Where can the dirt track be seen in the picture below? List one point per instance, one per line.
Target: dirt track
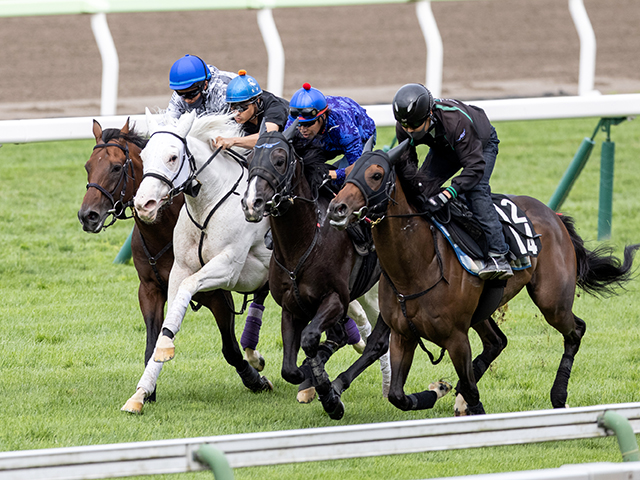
(493, 49)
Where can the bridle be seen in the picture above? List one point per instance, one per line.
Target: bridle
(119, 207)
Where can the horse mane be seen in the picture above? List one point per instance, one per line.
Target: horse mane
(313, 160)
(133, 136)
(413, 180)
(208, 127)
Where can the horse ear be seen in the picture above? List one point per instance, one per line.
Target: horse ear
(97, 130)
(152, 125)
(185, 122)
(263, 127)
(288, 133)
(124, 130)
(368, 147)
(394, 153)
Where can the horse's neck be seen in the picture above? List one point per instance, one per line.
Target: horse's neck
(294, 231)
(405, 244)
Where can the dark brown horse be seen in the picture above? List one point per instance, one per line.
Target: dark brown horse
(114, 173)
(426, 293)
(309, 274)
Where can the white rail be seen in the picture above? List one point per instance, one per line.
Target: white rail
(80, 128)
(315, 444)
(270, 35)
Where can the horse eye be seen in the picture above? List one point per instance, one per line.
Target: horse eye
(173, 159)
(377, 176)
(116, 168)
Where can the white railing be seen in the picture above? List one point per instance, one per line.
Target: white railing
(80, 128)
(270, 35)
(315, 444)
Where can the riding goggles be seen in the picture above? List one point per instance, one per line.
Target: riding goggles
(306, 115)
(241, 107)
(191, 94)
(413, 124)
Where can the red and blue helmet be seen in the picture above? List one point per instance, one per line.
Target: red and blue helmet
(307, 104)
(242, 88)
(188, 71)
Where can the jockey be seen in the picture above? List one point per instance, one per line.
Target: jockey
(197, 86)
(252, 105)
(460, 137)
(338, 125)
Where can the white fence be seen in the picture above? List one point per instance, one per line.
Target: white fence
(319, 444)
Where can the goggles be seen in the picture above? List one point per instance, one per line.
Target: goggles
(191, 94)
(304, 114)
(241, 107)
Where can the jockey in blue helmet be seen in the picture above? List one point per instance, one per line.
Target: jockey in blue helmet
(197, 86)
(338, 125)
(251, 105)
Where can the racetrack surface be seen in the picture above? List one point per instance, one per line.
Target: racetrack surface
(492, 49)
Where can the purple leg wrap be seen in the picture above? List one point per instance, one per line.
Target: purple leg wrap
(353, 335)
(251, 332)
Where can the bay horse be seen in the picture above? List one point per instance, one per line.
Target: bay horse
(310, 270)
(114, 172)
(216, 251)
(426, 293)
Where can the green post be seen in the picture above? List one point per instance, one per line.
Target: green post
(606, 190)
(216, 460)
(124, 255)
(624, 433)
(572, 173)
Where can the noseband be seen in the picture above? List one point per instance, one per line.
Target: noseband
(119, 207)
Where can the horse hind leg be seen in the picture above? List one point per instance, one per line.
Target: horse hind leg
(251, 333)
(571, 347)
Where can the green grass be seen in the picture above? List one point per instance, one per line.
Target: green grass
(72, 337)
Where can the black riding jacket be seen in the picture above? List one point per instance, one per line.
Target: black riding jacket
(457, 138)
(273, 109)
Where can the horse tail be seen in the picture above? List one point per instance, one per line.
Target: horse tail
(599, 271)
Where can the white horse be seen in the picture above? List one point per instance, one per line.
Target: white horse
(214, 247)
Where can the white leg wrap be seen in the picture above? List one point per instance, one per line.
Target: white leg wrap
(150, 375)
(365, 331)
(385, 368)
(176, 313)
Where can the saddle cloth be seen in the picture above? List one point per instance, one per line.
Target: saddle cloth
(465, 235)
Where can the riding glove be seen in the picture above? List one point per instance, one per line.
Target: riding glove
(436, 202)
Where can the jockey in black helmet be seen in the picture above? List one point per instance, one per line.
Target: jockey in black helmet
(460, 137)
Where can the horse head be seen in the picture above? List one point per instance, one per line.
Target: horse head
(167, 165)
(367, 189)
(112, 171)
(271, 170)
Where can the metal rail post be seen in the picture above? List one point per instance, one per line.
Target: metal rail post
(624, 433)
(216, 460)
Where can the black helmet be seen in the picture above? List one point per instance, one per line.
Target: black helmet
(412, 105)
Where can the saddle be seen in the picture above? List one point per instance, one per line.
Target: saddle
(464, 233)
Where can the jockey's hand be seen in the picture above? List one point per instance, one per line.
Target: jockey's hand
(225, 143)
(436, 202)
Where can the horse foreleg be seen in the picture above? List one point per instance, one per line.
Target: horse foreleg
(220, 302)
(251, 333)
(165, 348)
(357, 313)
(571, 347)
(468, 400)
(377, 347)
(291, 332)
(146, 386)
(152, 300)
(401, 351)
(494, 341)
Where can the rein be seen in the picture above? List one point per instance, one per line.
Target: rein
(119, 207)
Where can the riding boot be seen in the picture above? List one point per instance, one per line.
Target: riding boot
(496, 266)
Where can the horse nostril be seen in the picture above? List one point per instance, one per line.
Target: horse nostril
(258, 204)
(150, 205)
(341, 209)
(92, 216)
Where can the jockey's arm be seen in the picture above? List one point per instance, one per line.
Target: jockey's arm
(247, 142)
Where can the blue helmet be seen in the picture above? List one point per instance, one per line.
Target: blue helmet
(307, 104)
(187, 71)
(242, 88)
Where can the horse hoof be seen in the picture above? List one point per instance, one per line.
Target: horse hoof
(265, 385)
(255, 359)
(165, 350)
(461, 409)
(135, 403)
(307, 395)
(338, 413)
(441, 388)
